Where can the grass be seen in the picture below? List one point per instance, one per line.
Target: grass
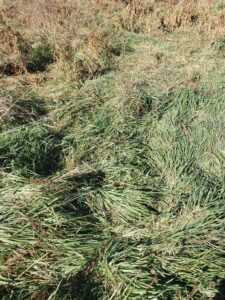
(112, 150)
(20, 106)
(30, 150)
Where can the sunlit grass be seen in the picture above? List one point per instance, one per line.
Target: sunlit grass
(112, 156)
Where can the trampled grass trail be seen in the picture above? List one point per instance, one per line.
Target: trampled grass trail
(112, 179)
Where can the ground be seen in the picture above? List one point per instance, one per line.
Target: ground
(112, 150)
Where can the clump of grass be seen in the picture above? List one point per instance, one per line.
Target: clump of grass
(10, 67)
(19, 54)
(30, 151)
(10, 59)
(87, 66)
(220, 44)
(37, 56)
(21, 105)
(134, 16)
(20, 111)
(141, 102)
(103, 46)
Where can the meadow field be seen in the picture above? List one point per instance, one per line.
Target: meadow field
(112, 149)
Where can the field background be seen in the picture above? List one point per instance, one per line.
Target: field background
(112, 149)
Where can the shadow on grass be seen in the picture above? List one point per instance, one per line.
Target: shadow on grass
(72, 191)
(93, 179)
(82, 286)
(221, 293)
(31, 151)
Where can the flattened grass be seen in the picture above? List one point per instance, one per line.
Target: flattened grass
(114, 190)
(137, 211)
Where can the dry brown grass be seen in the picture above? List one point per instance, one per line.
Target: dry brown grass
(82, 33)
(153, 15)
(33, 21)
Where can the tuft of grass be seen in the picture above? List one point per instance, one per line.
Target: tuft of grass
(33, 150)
(220, 44)
(103, 47)
(20, 111)
(10, 60)
(37, 56)
(141, 102)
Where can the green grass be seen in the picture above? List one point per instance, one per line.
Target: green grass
(141, 214)
(115, 189)
(27, 151)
